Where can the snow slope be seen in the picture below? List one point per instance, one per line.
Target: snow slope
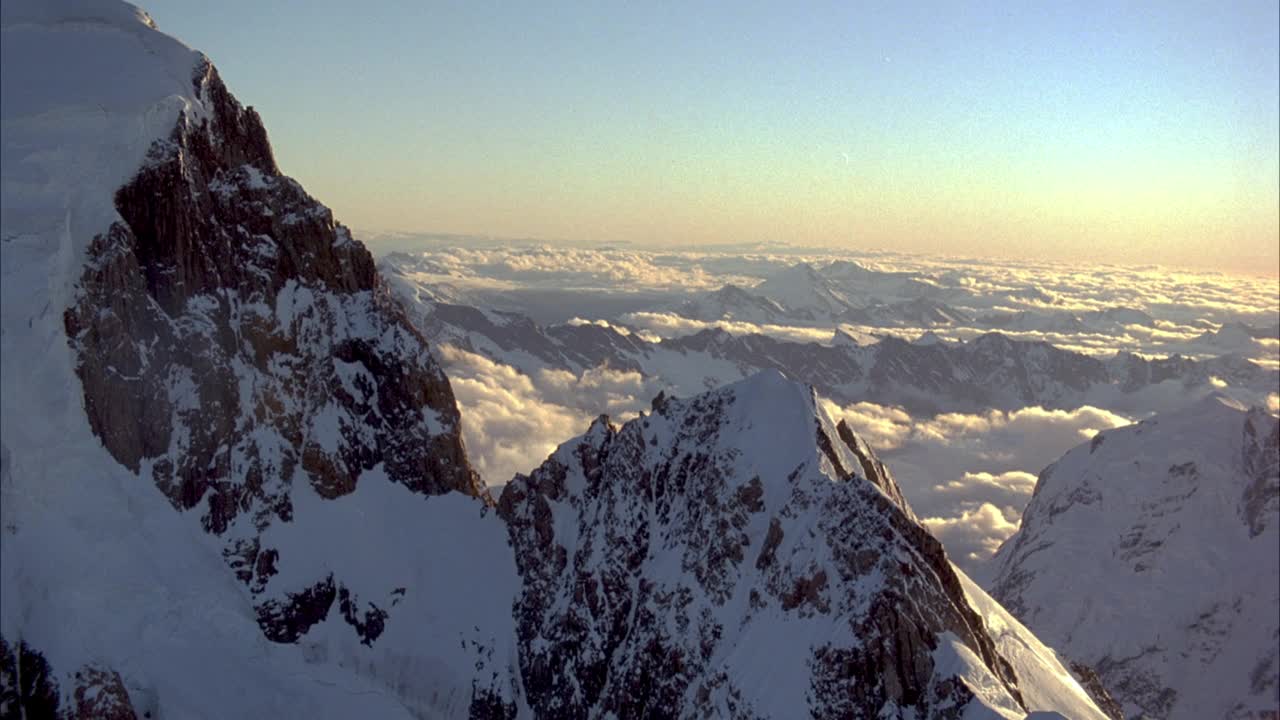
(1150, 553)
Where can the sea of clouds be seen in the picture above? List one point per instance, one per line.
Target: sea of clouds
(967, 476)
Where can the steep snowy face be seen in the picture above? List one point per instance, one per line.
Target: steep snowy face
(1179, 513)
(185, 327)
(736, 554)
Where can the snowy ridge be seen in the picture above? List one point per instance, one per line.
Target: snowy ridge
(1180, 512)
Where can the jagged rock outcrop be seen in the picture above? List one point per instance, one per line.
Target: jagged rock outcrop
(1178, 512)
(729, 555)
(29, 689)
(233, 341)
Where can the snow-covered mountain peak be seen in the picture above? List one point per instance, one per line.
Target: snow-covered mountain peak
(774, 425)
(1215, 407)
(765, 426)
(846, 269)
(842, 338)
(735, 554)
(109, 86)
(803, 291)
(1178, 512)
(1231, 336)
(1210, 402)
(119, 15)
(928, 338)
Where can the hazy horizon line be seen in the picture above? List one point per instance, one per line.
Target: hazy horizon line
(776, 247)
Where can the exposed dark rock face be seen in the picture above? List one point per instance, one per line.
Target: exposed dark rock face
(1092, 684)
(1260, 461)
(872, 468)
(647, 559)
(100, 695)
(234, 340)
(28, 689)
(289, 619)
(27, 684)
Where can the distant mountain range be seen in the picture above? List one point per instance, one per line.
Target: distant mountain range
(926, 377)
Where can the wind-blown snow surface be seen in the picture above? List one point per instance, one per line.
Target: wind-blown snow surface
(119, 593)
(1150, 553)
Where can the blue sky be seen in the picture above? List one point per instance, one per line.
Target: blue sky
(1117, 132)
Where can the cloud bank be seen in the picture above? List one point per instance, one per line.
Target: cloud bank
(512, 421)
(969, 476)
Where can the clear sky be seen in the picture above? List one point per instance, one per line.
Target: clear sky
(1121, 132)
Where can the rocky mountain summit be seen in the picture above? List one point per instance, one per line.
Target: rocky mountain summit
(233, 341)
(1180, 512)
(737, 554)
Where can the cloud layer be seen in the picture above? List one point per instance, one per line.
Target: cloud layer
(1154, 311)
(967, 475)
(970, 476)
(511, 421)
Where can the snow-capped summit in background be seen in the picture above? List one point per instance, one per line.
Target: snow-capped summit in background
(928, 338)
(1232, 337)
(839, 291)
(738, 554)
(1149, 553)
(805, 293)
(733, 303)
